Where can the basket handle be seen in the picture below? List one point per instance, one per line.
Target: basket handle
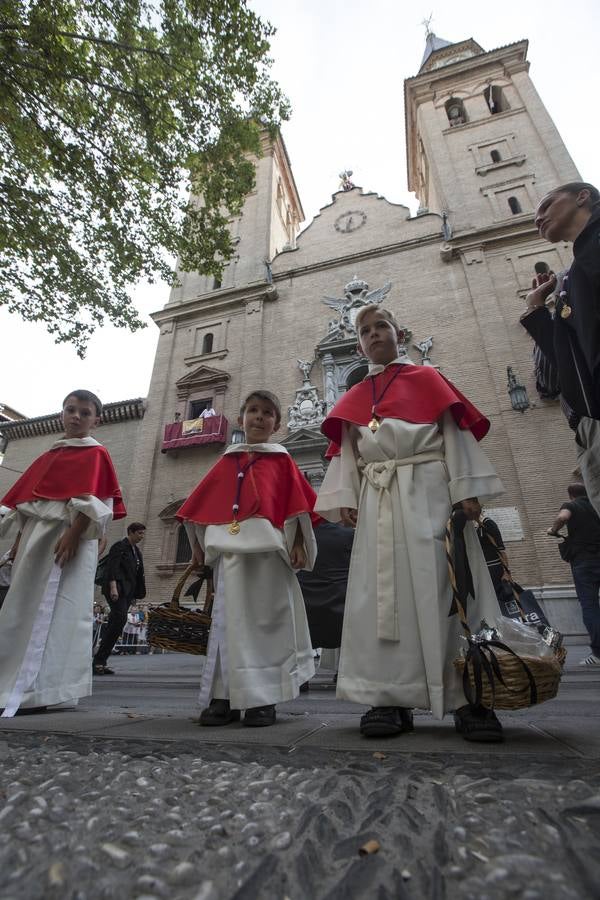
(179, 586)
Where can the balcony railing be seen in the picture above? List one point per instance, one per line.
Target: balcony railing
(193, 433)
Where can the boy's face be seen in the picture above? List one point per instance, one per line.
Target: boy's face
(377, 338)
(259, 420)
(79, 417)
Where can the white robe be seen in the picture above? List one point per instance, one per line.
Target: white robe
(398, 642)
(46, 618)
(259, 650)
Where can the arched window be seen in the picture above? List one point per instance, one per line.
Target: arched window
(495, 99)
(455, 111)
(207, 342)
(515, 206)
(495, 154)
(183, 553)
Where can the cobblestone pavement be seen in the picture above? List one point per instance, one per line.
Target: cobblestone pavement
(93, 818)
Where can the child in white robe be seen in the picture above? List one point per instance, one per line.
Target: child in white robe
(60, 506)
(249, 518)
(406, 454)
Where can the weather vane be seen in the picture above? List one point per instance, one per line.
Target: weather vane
(426, 24)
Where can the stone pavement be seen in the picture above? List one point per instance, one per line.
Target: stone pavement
(125, 796)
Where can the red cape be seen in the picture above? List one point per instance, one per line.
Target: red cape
(273, 488)
(420, 394)
(67, 472)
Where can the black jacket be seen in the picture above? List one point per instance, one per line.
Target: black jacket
(122, 568)
(572, 344)
(324, 589)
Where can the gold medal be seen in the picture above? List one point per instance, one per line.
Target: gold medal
(234, 528)
(565, 311)
(374, 424)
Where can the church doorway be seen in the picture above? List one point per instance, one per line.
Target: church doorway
(356, 375)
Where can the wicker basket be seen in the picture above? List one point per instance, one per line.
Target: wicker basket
(495, 676)
(515, 693)
(172, 628)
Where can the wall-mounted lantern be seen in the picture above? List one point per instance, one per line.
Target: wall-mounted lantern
(517, 392)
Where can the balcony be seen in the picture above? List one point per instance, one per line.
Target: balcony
(194, 433)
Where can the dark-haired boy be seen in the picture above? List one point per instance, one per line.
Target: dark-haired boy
(570, 338)
(61, 506)
(249, 518)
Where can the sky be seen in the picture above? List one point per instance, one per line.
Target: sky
(342, 63)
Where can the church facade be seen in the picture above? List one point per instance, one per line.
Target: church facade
(481, 151)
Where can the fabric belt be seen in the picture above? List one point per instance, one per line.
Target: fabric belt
(380, 476)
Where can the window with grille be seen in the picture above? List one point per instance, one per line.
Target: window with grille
(184, 549)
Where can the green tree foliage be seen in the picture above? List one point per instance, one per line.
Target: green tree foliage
(111, 112)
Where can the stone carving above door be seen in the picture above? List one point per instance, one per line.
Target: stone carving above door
(356, 295)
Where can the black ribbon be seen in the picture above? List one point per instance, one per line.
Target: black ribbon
(460, 562)
(480, 662)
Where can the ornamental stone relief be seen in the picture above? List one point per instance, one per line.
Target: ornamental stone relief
(341, 365)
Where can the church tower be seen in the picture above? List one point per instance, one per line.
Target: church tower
(211, 348)
(481, 146)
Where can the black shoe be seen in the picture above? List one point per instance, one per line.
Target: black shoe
(259, 716)
(219, 712)
(385, 720)
(478, 724)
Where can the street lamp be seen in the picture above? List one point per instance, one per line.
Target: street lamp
(517, 392)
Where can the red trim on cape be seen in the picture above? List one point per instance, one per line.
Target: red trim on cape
(420, 394)
(273, 488)
(66, 472)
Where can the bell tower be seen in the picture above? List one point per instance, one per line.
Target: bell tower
(481, 146)
(268, 223)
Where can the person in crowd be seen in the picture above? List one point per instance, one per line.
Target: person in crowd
(570, 338)
(124, 583)
(250, 519)
(61, 506)
(492, 545)
(324, 588)
(6, 564)
(404, 448)
(582, 552)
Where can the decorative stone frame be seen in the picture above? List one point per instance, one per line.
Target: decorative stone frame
(201, 384)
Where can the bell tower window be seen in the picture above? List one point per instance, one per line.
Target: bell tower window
(455, 111)
(515, 206)
(495, 99)
(207, 342)
(495, 155)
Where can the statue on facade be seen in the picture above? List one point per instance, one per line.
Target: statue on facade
(305, 368)
(424, 347)
(345, 183)
(307, 411)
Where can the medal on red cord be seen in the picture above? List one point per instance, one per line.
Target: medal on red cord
(235, 526)
(375, 420)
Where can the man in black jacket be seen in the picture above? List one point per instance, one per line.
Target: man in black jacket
(123, 583)
(570, 339)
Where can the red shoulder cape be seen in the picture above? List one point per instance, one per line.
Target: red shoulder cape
(66, 472)
(420, 394)
(273, 488)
